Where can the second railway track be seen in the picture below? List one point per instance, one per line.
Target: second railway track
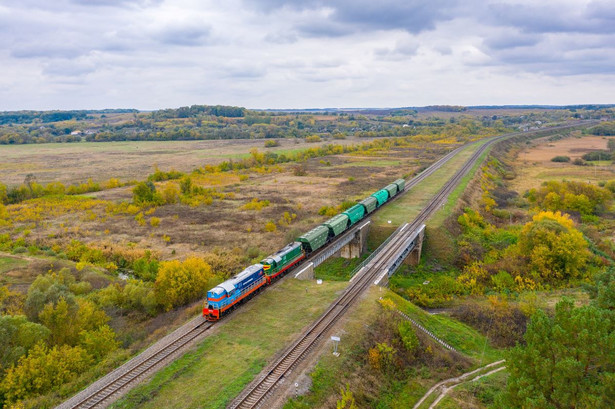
(256, 394)
(110, 387)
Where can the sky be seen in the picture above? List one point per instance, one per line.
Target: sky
(152, 54)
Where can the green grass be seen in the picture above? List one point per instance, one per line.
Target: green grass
(407, 207)
(338, 268)
(462, 337)
(224, 363)
(10, 263)
(331, 371)
(438, 218)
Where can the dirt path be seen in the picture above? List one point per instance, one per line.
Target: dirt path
(444, 386)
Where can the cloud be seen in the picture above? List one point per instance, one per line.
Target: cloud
(281, 53)
(191, 35)
(355, 16)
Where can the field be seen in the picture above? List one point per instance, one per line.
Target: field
(134, 266)
(76, 162)
(535, 166)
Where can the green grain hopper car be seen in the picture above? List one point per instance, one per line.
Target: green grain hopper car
(401, 184)
(381, 196)
(314, 239)
(370, 204)
(392, 189)
(337, 224)
(355, 213)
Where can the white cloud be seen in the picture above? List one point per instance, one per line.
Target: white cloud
(280, 54)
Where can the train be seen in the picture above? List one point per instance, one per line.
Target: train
(227, 295)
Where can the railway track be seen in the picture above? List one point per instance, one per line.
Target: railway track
(256, 394)
(112, 386)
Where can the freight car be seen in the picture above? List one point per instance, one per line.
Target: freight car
(225, 296)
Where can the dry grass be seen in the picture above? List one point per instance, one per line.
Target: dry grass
(534, 164)
(185, 229)
(76, 162)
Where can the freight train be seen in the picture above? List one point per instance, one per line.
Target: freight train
(227, 295)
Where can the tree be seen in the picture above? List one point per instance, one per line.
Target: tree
(49, 289)
(98, 343)
(568, 361)
(144, 193)
(17, 336)
(603, 292)
(3, 194)
(180, 282)
(556, 250)
(42, 370)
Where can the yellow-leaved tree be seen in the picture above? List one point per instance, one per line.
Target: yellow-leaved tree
(555, 248)
(179, 282)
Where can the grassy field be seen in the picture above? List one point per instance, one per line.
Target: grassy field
(534, 164)
(76, 162)
(10, 263)
(410, 204)
(458, 335)
(220, 367)
(337, 268)
(331, 370)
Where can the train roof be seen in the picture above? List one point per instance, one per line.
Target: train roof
(277, 256)
(246, 273)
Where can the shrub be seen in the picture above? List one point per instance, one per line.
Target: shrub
(145, 193)
(313, 139)
(154, 221)
(270, 227)
(255, 204)
(271, 143)
(561, 159)
(579, 162)
(597, 155)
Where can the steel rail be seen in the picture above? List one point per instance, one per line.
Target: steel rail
(257, 392)
(107, 388)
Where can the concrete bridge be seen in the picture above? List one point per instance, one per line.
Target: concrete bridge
(354, 244)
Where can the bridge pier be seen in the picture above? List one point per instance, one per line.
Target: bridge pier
(357, 245)
(414, 257)
(306, 272)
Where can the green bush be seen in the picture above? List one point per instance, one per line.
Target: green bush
(561, 159)
(19, 250)
(597, 155)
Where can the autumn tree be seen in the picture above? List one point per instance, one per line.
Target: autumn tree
(67, 322)
(179, 282)
(42, 370)
(556, 250)
(568, 361)
(49, 289)
(17, 336)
